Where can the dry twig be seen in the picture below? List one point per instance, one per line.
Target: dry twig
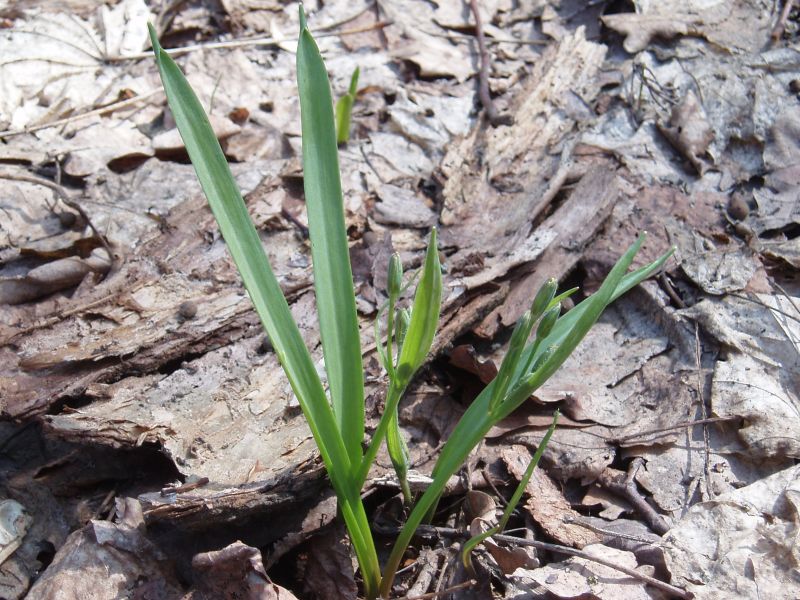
(444, 592)
(777, 31)
(483, 74)
(627, 489)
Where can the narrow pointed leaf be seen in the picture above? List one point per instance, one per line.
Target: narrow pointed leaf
(477, 420)
(424, 315)
(344, 109)
(245, 247)
(333, 278)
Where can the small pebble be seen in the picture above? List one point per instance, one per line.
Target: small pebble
(794, 86)
(187, 310)
(738, 208)
(67, 219)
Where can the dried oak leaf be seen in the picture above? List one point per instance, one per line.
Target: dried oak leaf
(639, 30)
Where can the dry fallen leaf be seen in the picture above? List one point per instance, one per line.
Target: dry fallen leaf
(640, 30)
(766, 399)
(103, 558)
(690, 132)
(578, 578)
(235, 571)
(54, 63)
(744, 544)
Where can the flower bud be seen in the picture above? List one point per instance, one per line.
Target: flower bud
(395, 278)
(401, 323)
(548, 322)
(545, 295)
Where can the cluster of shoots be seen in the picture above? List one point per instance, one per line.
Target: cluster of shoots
(336, 416)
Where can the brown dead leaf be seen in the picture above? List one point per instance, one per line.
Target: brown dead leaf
(777, 203)
(744, 544)
(639, 30)
(401, 206)
(235, 571)
(690, 132)
(546, 504)
(329, 569)
(765, 398)
(721, 270)
(102, 561)
(65, 70)
(749, 325)
(464, 357)
(613, 505)
(115, 144)
(578, 578)
(479, 506)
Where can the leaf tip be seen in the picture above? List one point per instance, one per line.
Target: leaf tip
(303, 24)
(153, 38)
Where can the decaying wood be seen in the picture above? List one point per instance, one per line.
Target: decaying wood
(500, 180)
(575, 223)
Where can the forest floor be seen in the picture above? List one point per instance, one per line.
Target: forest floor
(151, 446)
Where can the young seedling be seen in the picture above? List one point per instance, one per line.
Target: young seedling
(469, 546)
(344, 109)
(336, 418)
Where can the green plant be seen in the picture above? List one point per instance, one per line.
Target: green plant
(469, 545)
(344, 108)
(337, 423)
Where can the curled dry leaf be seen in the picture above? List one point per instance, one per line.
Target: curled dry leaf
(235, 571)
(104, 560)
(690, 132)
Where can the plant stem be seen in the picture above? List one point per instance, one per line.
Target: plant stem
(393, 395)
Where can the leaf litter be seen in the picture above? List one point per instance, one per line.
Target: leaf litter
(700, 113)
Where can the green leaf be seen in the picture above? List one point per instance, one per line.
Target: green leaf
(424, 315)
(245, 247)
(477, 420)
(333, 278)
(511, 506)
(344, 109)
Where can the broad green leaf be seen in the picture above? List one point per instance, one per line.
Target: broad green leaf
(333, 278)
(245, 247)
